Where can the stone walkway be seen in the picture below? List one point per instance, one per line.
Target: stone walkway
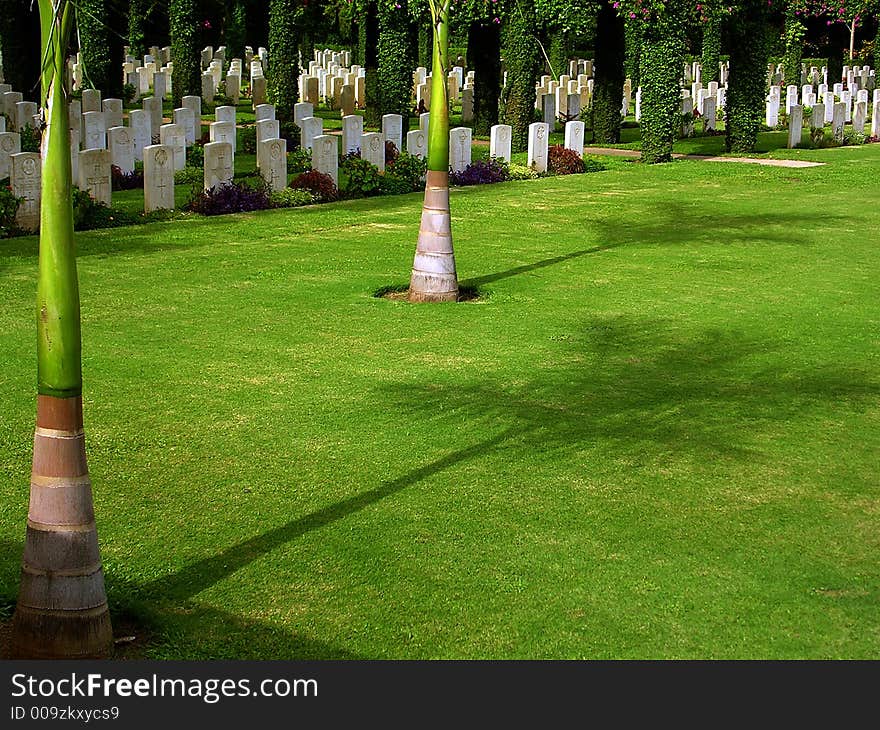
(635, 154)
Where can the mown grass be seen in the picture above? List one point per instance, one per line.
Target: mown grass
(656, 434)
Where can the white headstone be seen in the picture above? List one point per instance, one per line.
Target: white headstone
(264, 112)
(222, 132)
(94, 174)
(352, 130)
(817, 118)
(25, 180)
(153, 106)
(268, 129)
(392, 129)
(373, 149)
(795, 125)
(325, 156)
(538, 150)
(574, 137)
(417, 144)
(158, 178)
(91, 100)
(173, 137)
(10, 144)
(860, 115)
(838, 120)
(219, 163)
(208, 87)
(183, 117)
(272, 156)
(500, 141)
(301, 111)
(141, 130)
(120, 142)
(224, 114)
(258, 90)
(24, 114)
(310, 127)
(94, 131)
(112, 112)
(459, 148)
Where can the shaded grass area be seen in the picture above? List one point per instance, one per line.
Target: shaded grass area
(656, 437)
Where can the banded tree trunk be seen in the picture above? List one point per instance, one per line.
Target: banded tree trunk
(62, 607)
(434, 278)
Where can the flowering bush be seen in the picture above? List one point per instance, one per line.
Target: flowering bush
(410, 169)
(290, 198)
(8, 208)
(362, 177)
(320, 184)
(482, 172)
(563, 161)
(229, 198)
(126, 180)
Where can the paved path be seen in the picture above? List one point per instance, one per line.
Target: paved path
(635, 154)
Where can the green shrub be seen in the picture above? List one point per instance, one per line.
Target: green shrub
(291, 198)
(8, 208)
(522, 172)
(189, 175)
(30, 138)
(298, 160)
(195, 155)
(362, 178)
(393, 185)
(88, 214)
(247, 140)
(410, 169)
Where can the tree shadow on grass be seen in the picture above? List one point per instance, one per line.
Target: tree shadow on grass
(639, 384)
(645, 385)
(678, 225)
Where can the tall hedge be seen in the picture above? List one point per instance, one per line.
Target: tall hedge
(711, 51)
(137, 33)
(101, 45)
(795, 31)
(283, 49)
(395, 61)
(370, 35)
(484, 57)
(746, 92)
(235, 36)
(631, 64)
(523, 65)
(662, 58)
(609, 76)
(183, 24)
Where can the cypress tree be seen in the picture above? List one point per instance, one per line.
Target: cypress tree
(711, 51)
(186, 79)
(748, 75)
(283, 57)
(484, 56)
(395, 61)
(662, 57)
(608, 84)
(100, 37)
(523, 65)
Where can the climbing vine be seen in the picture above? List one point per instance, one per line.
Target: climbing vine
(748, 75)
(186, 78)
(284, 43)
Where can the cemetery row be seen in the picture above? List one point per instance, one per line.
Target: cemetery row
(121, 145)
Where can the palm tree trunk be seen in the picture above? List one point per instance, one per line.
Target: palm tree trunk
(434, 278)
(62, 607)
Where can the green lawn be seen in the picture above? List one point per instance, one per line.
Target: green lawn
(657, 435)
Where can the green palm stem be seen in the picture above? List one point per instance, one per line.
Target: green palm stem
(61, 611)
(434, 277)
